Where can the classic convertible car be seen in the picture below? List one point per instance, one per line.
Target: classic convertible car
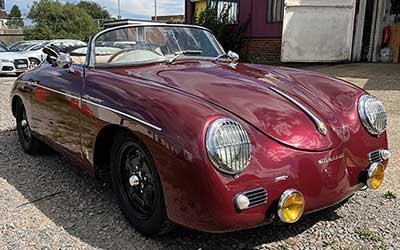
(190, 137)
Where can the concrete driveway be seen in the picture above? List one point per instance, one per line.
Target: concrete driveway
(48, 203)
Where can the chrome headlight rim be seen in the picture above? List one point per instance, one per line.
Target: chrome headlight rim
(362, 111)
(285, 195)
(212, 153)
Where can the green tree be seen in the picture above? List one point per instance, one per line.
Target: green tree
(221, 24)
(16, 17)
(55, 20)
(94, 9)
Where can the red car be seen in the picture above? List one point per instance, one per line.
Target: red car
(191, 137)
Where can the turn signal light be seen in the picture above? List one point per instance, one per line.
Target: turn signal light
(376, 175)
(242, 202)
(385, 154)
(291, 206)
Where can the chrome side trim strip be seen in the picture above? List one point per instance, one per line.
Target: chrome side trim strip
(98, 105)
(321, 127)
(123, 114)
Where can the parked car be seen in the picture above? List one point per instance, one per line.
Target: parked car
(34, 49)
(11, 62)
(191, 137)
(10, 47)
(26, 45)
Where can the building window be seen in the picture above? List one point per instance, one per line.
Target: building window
(275, 11)
(231, 5)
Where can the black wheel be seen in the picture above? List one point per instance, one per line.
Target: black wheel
(137, 186)
(34, 63)
(30, 144)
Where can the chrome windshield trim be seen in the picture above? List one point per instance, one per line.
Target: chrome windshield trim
(123, 114)
(98, 105)
(321, 127)
(91, 55)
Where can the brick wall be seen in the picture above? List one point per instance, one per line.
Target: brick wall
(9, 36)
(261, 50)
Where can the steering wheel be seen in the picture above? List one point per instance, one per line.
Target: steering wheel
(119, 53)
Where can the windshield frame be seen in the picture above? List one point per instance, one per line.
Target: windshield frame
(91, 56)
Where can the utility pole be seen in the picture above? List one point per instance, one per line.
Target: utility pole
(155, 10)
(119, 9)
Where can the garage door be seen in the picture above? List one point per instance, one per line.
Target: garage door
(318, 30)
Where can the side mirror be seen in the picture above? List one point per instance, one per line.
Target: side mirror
(233, 56)
(64, 61)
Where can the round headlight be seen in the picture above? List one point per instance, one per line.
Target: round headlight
(372, 114)
(291, 206)
(228, 146)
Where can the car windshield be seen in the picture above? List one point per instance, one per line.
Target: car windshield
(22, 46)
(37, 46)
(3, 49)
(146, 44)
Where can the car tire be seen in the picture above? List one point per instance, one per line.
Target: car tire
(34, 61)
(137, 186)
(30, 144)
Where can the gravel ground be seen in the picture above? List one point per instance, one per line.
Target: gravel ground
(48, 203)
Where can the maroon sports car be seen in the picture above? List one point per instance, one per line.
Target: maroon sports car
(191, 137)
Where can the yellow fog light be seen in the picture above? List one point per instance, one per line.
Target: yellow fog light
(291, 206)
(376, 174)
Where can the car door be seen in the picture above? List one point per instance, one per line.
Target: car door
(56, 105)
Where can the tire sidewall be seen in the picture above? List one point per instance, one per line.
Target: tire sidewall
(26, 145)
(152, 225)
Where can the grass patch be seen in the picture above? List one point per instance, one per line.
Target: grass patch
(389, 195)
(368, 235)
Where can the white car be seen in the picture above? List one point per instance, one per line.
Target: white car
(34, 49)
(12, 62)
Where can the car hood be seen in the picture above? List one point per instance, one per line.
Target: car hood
(12, 55)
(245, 90)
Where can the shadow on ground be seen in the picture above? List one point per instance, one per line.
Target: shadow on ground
(85, 208)
(372, 76)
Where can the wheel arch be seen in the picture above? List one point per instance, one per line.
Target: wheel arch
(34, 58)
(102, 147)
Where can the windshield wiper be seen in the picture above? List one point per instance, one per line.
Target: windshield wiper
(221, 56)
(184, 52)
(234, 57)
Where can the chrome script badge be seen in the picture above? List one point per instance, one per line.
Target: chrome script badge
(331, 159)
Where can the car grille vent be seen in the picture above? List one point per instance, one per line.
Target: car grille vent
(257, 197)
(18, 62)
(375, 156)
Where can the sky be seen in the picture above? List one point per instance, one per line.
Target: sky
(135, 9)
